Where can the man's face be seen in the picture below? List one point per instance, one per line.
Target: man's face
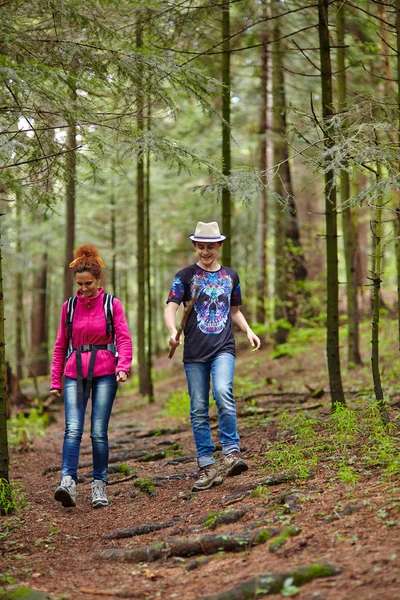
(207, 252)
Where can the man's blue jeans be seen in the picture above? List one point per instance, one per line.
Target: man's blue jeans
(104, 390)
(221, 369)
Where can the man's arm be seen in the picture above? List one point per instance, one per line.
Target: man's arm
(239, 320)
(170, 323)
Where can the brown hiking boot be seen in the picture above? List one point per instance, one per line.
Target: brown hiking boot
(234, 464)
(209, 476)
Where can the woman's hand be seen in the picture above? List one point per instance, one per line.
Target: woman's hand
(122, 376)
(56, 392)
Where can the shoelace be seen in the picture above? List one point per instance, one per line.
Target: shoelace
(98, 492)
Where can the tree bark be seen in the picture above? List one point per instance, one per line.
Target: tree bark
(19, 305)
(149, 354)
(70, 163)
(332, 344)
(397, 228)
(272, 583)
(226, 134)
(350, 233)
(141, 240)
(113, 234)
(289, 259)
(39, 323)
(376, 286)
(200, 544)
(262, 292)
(4, 458)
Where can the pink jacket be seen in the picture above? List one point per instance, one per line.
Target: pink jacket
(89, 327)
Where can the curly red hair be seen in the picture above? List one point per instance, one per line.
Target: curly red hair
(87, 258)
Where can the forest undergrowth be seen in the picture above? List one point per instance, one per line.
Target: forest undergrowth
(316, 516)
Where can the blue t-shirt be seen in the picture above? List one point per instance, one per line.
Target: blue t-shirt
(208, 329)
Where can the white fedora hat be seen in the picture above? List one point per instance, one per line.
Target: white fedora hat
(207, 232)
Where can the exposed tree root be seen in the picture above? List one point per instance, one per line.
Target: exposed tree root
(272, 583)
(140, 529)
(214, 520)
(241, 493)
(202, 544)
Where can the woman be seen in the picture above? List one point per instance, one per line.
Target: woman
(93, 351)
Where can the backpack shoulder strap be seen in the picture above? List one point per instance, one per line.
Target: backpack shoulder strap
(68, 323)
(109, 313)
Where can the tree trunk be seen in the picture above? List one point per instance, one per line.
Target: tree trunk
(39, 324)
(148, 277)
(113, 240)
(289, 258)
(397, 229)
(4, 459)
(141, 240)
(350, 234)
(376, 286)
(19, 293)
(262, 292)
(226, 134)
(332, 343)
(70, 160)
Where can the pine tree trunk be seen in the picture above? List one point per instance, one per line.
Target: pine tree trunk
(4, 459)
(332, 343)
(70, 159)
(141, 240)
(376, 286)
(148, 277)
(397, 229)
(39, 324)
(113, 235)
(289, 259)
(350, 234)
(226, 134)
(262, 291)
(19, 305)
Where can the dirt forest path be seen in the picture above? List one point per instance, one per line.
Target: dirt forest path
(56, 550)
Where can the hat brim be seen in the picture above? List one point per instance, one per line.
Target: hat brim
(207, 240)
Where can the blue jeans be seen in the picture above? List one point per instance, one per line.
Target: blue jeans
(104, 390)
(221, 369)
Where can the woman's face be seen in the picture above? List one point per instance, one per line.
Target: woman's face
(87, 284)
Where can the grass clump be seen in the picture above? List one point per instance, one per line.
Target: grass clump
(22, 428)
(178, 405)
(11, 497)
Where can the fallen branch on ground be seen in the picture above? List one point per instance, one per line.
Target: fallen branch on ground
(273, 583)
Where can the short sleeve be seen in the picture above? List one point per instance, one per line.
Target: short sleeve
(236, 296)
(177, 290)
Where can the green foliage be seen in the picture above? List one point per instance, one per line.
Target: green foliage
(349, 440)
(178, 405)
(26, 427)
(11, 497)
(146, 485)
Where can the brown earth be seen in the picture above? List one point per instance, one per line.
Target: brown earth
(50, 548)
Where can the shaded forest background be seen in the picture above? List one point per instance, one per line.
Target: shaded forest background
(123, 124)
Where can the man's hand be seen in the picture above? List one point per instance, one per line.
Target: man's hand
(122, 376)
(172, 341)
(254, 340)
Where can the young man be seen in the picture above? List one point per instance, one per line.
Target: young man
(209, 350)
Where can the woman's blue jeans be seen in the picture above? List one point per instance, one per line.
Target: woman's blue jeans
(104, 390)
(221, 370)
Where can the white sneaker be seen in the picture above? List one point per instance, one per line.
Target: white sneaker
(66, 492)
(99, 497)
